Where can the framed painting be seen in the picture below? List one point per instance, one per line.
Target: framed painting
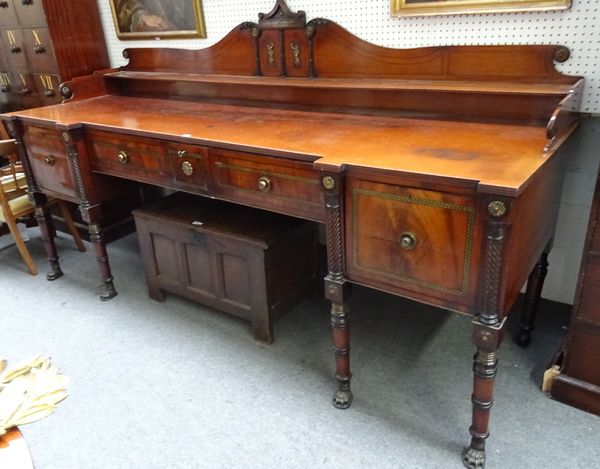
(157, 19)
(461, 7)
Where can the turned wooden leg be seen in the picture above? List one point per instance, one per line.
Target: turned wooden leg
(533, 294)
(342, 399)
(97, 239)
(46, 225)
(487, 339)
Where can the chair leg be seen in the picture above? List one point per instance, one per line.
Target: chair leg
(71, 225)
(14, 230)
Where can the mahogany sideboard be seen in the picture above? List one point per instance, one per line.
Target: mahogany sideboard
(436, 171)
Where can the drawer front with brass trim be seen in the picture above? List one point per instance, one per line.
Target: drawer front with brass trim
(136, 158)
(285, 186)
(411, 239)
(49, 162)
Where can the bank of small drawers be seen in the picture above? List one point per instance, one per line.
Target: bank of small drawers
(277, 184)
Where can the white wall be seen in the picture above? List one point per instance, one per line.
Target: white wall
(578, 29)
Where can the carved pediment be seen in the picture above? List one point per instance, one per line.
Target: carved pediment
(281, 17)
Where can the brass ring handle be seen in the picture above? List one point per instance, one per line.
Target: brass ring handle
(187, 168)
(123, 157)
(49, 160)
(408, 240)
(264, 184)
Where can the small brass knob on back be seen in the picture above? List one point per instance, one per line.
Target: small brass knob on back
(408, 240)
(123, 157)
(49, 160)
(264, 184)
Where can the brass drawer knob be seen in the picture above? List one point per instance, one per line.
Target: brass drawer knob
(187, 168)
(408, 240)
(264, 184)
(123, 157)
(181, 153)
(49, 160)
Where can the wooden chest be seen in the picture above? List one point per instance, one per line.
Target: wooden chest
(246, 262)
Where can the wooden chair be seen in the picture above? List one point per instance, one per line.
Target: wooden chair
(15, 204)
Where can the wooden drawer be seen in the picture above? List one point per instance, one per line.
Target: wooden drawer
(246, 262)
(38, 49)
(13, 49)
(49, 162)
(189, 166)
(30, 12)
(273, 183)
(141, 159)
(8, 15)
(411, 239)
(47, 88)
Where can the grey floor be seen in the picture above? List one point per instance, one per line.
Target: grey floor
(174, 385)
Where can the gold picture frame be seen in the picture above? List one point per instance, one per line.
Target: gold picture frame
(158, 19)
(461, 7)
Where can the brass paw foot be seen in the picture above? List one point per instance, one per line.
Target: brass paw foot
(474, 458)
(108, 292)
(342, 399)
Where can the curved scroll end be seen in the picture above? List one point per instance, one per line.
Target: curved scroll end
(66, 91)
(253, 27)
(281, 17)
(562, 54)
(312, 25)
(125, 53)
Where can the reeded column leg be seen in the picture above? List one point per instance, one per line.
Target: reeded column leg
(97, 239)
(487, 339)
(46, 225)
(533, 293)
(337, 289)
(342, 399)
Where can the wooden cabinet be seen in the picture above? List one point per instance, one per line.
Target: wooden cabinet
(578, 384)
(44, 43)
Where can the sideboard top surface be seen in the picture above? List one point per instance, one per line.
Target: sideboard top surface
(470, 152)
